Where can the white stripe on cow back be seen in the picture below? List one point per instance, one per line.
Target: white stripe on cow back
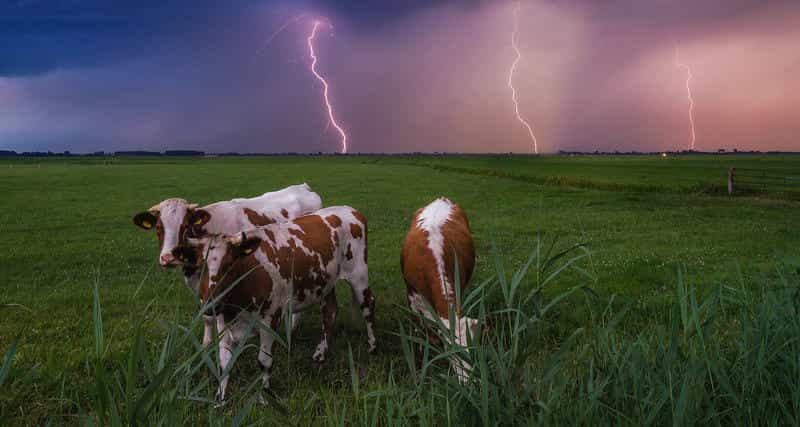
(431, 220)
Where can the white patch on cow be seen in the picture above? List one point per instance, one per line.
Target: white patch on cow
(171, 212)
(214, 253)
(228, 217)
(431, 220)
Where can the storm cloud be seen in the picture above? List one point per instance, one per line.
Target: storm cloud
(405, 75)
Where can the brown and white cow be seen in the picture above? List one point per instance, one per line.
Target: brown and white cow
(262, 272)
(438, 240)
(175, 219)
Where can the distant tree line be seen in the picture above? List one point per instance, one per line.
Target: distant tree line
(196, 153)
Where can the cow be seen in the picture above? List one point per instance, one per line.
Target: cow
(260, 274)
(175, 219)
(438, 240)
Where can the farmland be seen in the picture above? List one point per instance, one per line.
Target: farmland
(647, 224)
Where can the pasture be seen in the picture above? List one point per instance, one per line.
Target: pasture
(659, 237)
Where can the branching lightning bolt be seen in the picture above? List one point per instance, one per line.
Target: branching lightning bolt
(321, 79)
(689, 76)
(511, 78)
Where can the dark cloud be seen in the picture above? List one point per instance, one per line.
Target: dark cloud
(407, 75)
(37, 36)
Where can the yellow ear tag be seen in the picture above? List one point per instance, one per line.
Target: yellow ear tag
(198, 221)
(248, 251)
(147, 224)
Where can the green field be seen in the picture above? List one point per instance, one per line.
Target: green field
(66, 228)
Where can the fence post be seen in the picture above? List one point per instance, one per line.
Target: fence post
(731, 180)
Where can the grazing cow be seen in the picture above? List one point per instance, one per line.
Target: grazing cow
(175, 219)
(438, 240)
(261, 273)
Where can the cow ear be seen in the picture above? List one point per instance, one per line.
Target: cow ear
(198, 217)
(146, 220)
(185, 254)
(248, 245)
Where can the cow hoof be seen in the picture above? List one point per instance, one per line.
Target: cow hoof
(262, 400)
(319, 359)
(373, 350)
(220, 404)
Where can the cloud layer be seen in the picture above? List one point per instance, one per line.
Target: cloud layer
(405, 75)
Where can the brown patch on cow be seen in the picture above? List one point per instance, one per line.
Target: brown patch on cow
(250, 294)
(458, 247)
(334, 221)
(190, 257)
(349, 253)
(258, 219)
(355, 230)
(302, 260)
(303, 271)
(315, 235)
(285, 213)
(360, 217)
(419, 265)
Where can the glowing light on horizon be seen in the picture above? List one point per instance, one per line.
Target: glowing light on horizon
(331, 118)
(511, 79)
(689, 76)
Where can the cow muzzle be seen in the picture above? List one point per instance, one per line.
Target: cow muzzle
(168, 261)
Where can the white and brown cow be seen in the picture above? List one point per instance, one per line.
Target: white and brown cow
(438, 240)
(175, 219)
(260, 273)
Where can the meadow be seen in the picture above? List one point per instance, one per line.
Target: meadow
(654, 297)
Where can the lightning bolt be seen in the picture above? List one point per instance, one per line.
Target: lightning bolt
(689, 76)
(511, 78)
(321, 79)
(283, 27)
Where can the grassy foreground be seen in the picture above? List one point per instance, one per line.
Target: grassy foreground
(631, 342)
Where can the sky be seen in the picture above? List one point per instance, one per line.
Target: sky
(404, 75)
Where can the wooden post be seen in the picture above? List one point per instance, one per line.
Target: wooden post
(731, 180)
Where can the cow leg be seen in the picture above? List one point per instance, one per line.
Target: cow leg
(226, 343)
(265, 351)
(363, 298)
(296, 317)
(328, 320)
(208, 330)
(464, 326)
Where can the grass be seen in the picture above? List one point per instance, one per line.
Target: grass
(67, 232)
(682, 174)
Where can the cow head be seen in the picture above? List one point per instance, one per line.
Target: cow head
(171, 220)
(219, 253)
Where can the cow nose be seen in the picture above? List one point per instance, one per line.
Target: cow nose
(167, 260)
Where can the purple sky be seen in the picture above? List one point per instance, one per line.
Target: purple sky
(405, 76)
